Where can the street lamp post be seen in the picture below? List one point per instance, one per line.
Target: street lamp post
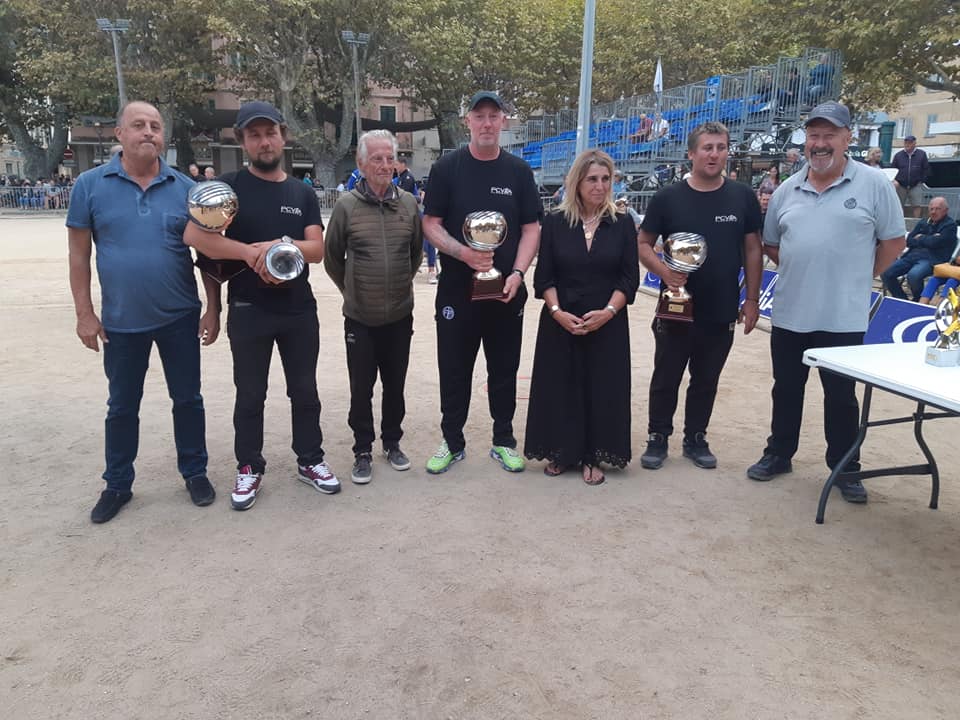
(99, 128)
(355, 40)
(586, 76)
(115, 28)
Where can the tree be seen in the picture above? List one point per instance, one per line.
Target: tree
(292, 51)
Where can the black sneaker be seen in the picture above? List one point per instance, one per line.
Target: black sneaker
(852, 491)
(109, 505)
(656, 452)
(362, 472)
(201, 491)
(768, 467)
(397, 458)
(697, 449)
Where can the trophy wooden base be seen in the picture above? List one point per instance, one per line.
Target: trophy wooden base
(672, 307)
(487, 288)
(219, 270)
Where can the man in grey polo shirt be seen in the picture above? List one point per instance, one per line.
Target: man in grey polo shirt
(831, 228)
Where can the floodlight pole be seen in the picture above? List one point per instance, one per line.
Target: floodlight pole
(355, 40)
(586, 76)
(115, 28)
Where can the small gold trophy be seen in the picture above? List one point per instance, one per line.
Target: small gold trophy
(945, 352)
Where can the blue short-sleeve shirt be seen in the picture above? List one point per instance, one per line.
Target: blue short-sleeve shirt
(145, 269)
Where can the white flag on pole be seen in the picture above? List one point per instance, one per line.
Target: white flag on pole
(658, 78)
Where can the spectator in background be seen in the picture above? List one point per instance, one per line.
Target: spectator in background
(929, 243)
(115, 149)
(619, 185)
(874, 158)
(820, 80)
(307, 180)
(733, 175)
(194, 173)
(913, 167)
(771, 181)
(209, 173)
(355, 177)
(793, 163)
(643, 130)
(661, 128)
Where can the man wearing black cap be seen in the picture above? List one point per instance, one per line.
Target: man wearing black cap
(831, 228)
(913, 167)
(476, 178)
(264, 311)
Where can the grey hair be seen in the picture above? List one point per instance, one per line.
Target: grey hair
(375, 135)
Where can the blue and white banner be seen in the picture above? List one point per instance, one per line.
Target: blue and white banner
(901, 321)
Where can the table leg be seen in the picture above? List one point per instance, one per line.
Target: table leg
(864, 423)
(934, 472)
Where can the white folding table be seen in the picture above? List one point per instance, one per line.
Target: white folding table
(898, 368)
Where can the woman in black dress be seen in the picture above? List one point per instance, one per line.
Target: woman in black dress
(587, 273)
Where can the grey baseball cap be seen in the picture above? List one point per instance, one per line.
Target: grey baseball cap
(832, 111)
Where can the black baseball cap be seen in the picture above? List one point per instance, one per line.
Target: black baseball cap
(910, 138)
(257, 110)
(832, 111)
(485, 95)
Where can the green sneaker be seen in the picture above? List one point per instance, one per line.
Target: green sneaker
(509, 459)
(442, 459)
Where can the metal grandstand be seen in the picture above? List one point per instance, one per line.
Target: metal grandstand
(759, 101)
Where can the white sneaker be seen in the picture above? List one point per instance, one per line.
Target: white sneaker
(245, 488)
(320, 477)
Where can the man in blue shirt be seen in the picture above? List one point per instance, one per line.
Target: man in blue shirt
(135, 209)
(929, 243)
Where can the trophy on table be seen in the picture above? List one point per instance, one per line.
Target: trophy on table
(945, 352)
(485, 231)
(684, 252)
(212, 205)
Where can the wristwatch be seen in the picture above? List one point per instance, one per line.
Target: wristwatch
(612, 309)
(519, 272)
(554, 309)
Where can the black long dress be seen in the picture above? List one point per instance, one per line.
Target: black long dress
(579, 408)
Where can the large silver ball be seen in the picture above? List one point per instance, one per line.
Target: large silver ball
(212, 205)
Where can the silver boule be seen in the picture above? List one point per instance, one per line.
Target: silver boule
(684, 251)
(212, 205)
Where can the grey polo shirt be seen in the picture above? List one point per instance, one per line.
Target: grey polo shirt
(828, 243)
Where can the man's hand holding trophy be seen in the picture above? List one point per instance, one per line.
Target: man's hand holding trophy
(684, 253)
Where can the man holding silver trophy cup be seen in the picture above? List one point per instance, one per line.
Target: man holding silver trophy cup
(271, 223)
(134, 209)
(710, 227)
(481, 212)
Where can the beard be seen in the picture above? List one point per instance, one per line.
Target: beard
(266, 165)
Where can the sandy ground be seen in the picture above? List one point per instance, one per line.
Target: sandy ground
(681, 593)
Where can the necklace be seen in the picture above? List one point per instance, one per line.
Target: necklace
(588, 234)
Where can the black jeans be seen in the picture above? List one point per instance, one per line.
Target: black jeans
(462, 324)
(253, 332)
(702, 346)
(841, 411)
(384, 349)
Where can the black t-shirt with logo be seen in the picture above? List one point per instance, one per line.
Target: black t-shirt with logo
(268, 211)
(723, 216)
(460, 184)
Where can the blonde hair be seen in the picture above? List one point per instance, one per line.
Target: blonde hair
(571, 207)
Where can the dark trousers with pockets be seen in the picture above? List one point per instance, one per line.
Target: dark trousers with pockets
(462, 325)
(702, 346)
(253, 333)
(841, 411)
(126, 358)
(383, 349)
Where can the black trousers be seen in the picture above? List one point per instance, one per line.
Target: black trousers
(841, 411)
(702, 346)
(384, 349)
(462, 325)
(253, 333)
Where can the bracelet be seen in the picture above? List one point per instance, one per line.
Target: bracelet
(554, 309)
(519, 272)
(612, 309)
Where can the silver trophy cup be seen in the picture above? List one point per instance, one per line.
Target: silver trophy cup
(485, 231)
(284, 260)
(684, 252)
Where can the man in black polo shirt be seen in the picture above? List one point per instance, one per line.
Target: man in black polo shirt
(727, 214)
(263, 311)
(480, 177)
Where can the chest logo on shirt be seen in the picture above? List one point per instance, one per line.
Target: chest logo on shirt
(850, 203)
(447, 312)
(725, 218)
(501, 191)
(287, 210)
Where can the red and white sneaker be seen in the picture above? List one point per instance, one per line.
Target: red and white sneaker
(320, 477)
(245, 488)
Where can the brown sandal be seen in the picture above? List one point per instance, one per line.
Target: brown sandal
(553, 469)
(590, 479)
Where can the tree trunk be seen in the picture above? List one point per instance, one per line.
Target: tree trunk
(450, 129)
(38, 161)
